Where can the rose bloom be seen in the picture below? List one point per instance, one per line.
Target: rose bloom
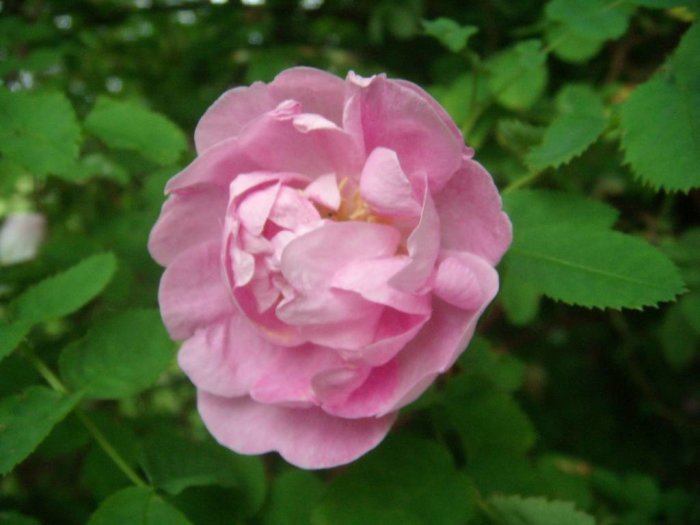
(328, 254)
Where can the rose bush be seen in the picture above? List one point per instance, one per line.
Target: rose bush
(327, 254)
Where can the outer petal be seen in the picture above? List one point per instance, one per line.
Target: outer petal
(471, 215)
(231, 112)
(192, 292)
(399, 118)
(228, 357)
(307, 438)
(187, 219)
(317, 91)
(433, 104)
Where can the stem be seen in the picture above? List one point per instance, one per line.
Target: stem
(522, 181)
(55, 383)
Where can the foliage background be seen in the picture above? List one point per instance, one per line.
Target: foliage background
(578, 403)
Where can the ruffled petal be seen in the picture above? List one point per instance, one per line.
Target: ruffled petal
(385, 187)
(399, 118)
(457, 284)
(192, 291)
(423, 249)
(307, 438)
(471, 214)
(187, 219)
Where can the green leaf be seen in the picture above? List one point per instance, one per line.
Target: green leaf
(26, 419)
(520, 300)
(128, 125)
(11, 335)
(518, 136)
(487, 419)
(501, 369)
(518, 75)
(119, 356)
(15, 518)
(593, 268)
(293, 497)
(39, 131)
(661, 122)
(395, 485)
(137, 506)
(174, 464)
(680, 331)
(535, 208)
(449, 33)
(569, 46)
(580, 121)
(515, 510)
(592, 19)
(65, 292)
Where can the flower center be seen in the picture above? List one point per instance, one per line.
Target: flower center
(352, 206)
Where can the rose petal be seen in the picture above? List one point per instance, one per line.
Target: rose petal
(192, 291)
(307, 438)
(457, 284)
(187, 219)
(423, 247)
(227, 357)
(231, 112)
(385, 187)
(317, 91)
(471, 214)
(398, 118)
(324, 191)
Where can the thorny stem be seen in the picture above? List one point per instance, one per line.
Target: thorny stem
(109, 449)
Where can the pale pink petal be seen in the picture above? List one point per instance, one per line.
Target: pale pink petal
(228, 357)
(457, 284)
(471, 214)
(385, 187)
(433, 104)
(442, 339)
(192, 291)
(254, 209)
(266, 323)
(288, 379)
(423, 249)
(231, 112)
(307, 438)
(333, 386)
(398, 118)
(317, 91)
(310, 260)
(248, 181)
(369, 278)
(292, 210)
(350, 334)
(187, 219)
(324, 191)
(218, 165)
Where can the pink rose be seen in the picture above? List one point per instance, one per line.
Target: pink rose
(327, 254)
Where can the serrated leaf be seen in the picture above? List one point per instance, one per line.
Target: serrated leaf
(580, 121)
(594, 268)
(174, 464)
(11, 335)
(39, 131)
(518, 136)
(459, 96)
(661, 122)
(516, 510)
(395, 485)
(65, 292)
(518, 75)
(592, 19)
(26, 419)
(449, 33)
(128, 125)
(137, 506)
(119, 356)
(293, 497)
(533, 208)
